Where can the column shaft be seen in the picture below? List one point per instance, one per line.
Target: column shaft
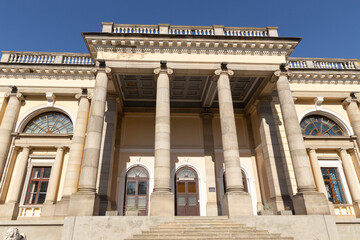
(350, 175)
(353, 112)
(89, 167)
(7, 126)
(162, 134)
(229, 136)
(236, 202)
(162, 199)
(319, 180)
(19, 172)
(77, 148)
(55, 177)
(302, 169)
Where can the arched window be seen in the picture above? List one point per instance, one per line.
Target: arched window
(50, 123)
(317, 125)
(136, 192)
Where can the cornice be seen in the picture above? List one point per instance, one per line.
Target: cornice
(348, 78)
(191, 46)
(45, 72)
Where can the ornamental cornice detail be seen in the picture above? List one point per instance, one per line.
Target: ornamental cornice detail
(194, 51)
(45, 73)
(325, 78)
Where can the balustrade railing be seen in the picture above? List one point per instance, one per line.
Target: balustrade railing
(245, 32)
(344, 209)
(31, 211)
(323, 63)
(190, 30)
(46, 58)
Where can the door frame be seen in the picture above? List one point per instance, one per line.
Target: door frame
(197, 181)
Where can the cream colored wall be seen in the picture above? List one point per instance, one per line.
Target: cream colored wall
(137, 146)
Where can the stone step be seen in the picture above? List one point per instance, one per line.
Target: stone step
(208, 235)
(212, 231)
(253, 237)
(202, 225)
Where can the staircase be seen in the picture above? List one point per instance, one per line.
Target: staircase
(201, 228)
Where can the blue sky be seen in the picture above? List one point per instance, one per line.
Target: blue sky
(329, 28)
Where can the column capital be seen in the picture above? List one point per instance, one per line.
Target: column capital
(81, 95)
(17, 95)
(101, 69)
(60, 148)
(167, 71)
(341, 150)
(350, 100)
(311, 149)
(229, 72)
(207, 115)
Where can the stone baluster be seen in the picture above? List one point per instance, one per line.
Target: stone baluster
(307, 200)
(8, 124)
(352, 180)
(162, 200)
(236, 201)
(77, 146)
(85, 201)
(55, 177)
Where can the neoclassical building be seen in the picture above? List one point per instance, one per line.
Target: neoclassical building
(215, 124)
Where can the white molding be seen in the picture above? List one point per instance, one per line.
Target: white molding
(202, 184)
(121, 184)
(337, 164)
(345, 125)
(27, 116)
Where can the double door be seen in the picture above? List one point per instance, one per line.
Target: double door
(187, 193)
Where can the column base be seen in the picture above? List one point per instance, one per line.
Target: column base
(9, 211)
(162, 204)
(311, 203)
(83, 204)
(237, 204)
(356, 206)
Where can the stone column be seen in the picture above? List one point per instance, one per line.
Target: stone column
(77, 147)
(10, 210)
(271, 152)
(307, 200)
(55, 177)
(236, 202)
(352, 180)
(85, 202)
(162, 199)
(19, 172)
(8, 124)
(350, 104)
(319, 180)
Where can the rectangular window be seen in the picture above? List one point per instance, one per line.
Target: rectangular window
(38, 184)
(333, 185)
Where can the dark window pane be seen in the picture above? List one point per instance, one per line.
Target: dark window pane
(131, 188)
(180, 187)
(41, 198)
(46, 173)
(142, 188)
(43, 186)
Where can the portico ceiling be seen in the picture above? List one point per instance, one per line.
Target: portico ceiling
(185, 90)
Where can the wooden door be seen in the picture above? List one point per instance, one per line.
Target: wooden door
(136, 192)
(187, 192)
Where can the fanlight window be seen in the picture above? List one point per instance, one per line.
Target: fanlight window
(185, 173)
(317, 125)
(50, 123)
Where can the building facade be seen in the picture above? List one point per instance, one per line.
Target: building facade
(164, 121)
